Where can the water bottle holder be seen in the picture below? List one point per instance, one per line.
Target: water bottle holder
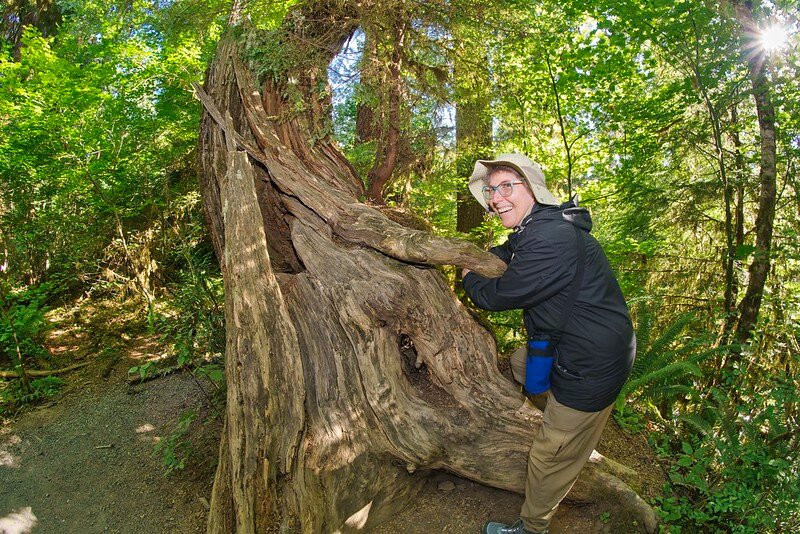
(539, 362)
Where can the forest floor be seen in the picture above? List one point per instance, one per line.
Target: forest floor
(85, 463)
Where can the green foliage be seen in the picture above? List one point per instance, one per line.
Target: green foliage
(268, 14)
(726, 436)
(215, 373)
(97, 122)
(175, 448)
(14, 398)
(629, 419)
(362, 156)
(194, 321)
(735, 468)
(273, 58)
(508, 329)
(433, 196)
(618, 100)
(23, 324)
(667, 366)
(144, 370)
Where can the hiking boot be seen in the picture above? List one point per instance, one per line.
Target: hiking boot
(501, 528)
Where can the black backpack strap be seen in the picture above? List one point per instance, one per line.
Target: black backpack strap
(577, 282)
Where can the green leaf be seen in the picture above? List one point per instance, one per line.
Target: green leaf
(744, 251)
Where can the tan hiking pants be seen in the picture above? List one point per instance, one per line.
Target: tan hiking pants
(560, 449)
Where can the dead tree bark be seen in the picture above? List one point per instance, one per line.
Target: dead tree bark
(352, 368)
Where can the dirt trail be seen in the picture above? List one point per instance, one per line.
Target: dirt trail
(85, 464)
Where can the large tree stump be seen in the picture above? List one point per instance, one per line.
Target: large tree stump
(352, 368)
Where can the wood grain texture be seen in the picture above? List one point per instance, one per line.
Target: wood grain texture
(355, 370)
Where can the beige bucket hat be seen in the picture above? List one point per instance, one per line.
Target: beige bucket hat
(531, 171)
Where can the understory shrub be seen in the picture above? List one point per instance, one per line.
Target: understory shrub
(733, 461)
(193, 322)
(13, 397)
(175, 449)
(723, 421)
(23, 325)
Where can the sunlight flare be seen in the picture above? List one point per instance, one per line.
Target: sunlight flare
(6, 458)
(774, 38)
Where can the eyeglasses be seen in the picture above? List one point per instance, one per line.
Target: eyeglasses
(505, 189)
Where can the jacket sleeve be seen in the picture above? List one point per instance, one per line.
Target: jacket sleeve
(502, 251)
(538, 270)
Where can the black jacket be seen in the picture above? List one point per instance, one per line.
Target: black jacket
(596, 352)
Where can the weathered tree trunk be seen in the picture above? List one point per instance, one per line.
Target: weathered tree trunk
(352, 368)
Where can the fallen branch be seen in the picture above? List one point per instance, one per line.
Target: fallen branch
(39, 373)
(138, 379)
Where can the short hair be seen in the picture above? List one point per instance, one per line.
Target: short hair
(505, 168)
(508, 168)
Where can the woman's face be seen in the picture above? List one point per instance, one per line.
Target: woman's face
(513, 208)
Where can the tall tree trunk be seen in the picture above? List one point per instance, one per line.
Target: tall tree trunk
(352, 369)
(740, 177)
(384, 124)
(759, 267)
(388, 146)
(473, 131)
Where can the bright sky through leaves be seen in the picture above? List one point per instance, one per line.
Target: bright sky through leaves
(774, 38)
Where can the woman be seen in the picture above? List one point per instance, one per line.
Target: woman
(581, 344)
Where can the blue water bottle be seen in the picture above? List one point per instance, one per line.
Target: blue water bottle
(537, 365)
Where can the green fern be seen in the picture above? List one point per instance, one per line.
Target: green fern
(662, 374)
(666, 365)
(697, 422)
(672, 391)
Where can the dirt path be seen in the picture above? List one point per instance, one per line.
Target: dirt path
(85, 464)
